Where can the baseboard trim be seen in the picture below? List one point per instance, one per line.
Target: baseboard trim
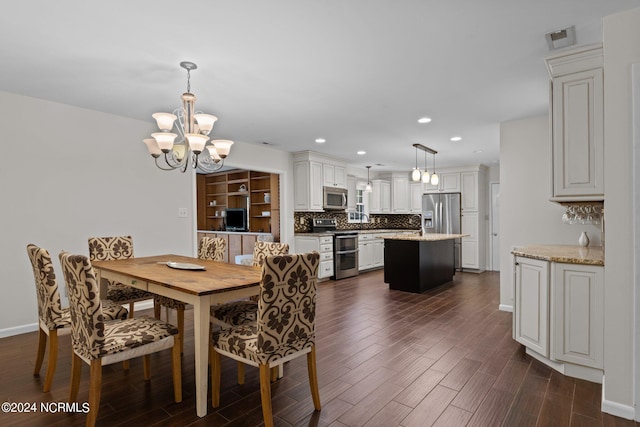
(505, 307)
(18, 330)
(618, 409)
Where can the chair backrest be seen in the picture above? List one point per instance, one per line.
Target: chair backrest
(87, 321)
(287, 305)
(261, 250)
(212, 248)
(49, 307)
(110, 248)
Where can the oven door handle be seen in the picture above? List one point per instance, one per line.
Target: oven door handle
(348, 236)
(346, 252)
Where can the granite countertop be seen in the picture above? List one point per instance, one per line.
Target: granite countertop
(429, 237)
(591, 255)
(364, 231)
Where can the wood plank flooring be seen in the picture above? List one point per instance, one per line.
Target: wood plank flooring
(385, 358)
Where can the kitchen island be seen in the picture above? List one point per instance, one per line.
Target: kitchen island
(415, 263)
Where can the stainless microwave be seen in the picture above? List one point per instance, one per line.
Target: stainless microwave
(334, 198)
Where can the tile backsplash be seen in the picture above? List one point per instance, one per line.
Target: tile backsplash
(302, 221)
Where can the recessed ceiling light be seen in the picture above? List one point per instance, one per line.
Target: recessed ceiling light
(321, 140)
(424, 119)
(477, 151)
(362, 153)
(456, 138)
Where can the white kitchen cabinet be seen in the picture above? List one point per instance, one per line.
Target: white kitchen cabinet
(370, 251)
(380, 197)
(321, 244)
(469, 190)
(531, 311)
(578, 304)
(334, 175)
(449, 182)
(577, 121)
(351, 193)
(378, 253)
(470, 244)
(400, 193)
(416, 190)
(307, 186)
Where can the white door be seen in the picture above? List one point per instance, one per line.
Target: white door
(495, 226)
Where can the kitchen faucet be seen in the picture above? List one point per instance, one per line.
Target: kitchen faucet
(363, 215)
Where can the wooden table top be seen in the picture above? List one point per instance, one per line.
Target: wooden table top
(217, 276)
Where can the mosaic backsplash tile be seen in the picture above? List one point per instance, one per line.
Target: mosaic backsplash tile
(382, 222)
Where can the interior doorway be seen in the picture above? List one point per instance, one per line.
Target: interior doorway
(494, 241)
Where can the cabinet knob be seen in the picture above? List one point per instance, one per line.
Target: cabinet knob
(517, 263)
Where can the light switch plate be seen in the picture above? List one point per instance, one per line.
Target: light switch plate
(182, 212)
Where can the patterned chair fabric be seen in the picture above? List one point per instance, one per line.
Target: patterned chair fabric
(92, 338)
(240, 312)
(286, 312)
(212, 248)
(51, 315)
(113, 248)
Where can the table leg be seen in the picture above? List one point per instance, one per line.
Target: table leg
(201, 338)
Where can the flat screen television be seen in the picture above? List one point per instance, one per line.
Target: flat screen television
(236, 219)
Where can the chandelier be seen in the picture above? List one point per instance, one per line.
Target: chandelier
(425, 176)
(193, 128)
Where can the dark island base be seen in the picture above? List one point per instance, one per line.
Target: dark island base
(418, 265)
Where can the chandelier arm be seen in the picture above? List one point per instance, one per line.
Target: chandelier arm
(210, 166)
(160, 166)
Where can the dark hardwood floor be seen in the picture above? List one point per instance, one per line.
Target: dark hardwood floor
(385, 358)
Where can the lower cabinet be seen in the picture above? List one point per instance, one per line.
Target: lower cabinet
(370, 251)
(321, 244)
(237, 243)
(559, 314)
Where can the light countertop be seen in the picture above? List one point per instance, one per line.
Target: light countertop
(570, 254)
(364, 231)
(429, 237)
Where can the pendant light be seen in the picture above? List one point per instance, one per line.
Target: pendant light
(434, 178)
(368, 188)
(425, 175)
(415, 175)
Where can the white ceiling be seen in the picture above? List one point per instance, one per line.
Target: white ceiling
(356, 72)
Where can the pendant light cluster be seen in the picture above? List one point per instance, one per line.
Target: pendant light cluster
(424, 175)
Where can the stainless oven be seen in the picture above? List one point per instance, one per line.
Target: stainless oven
(334, 198)
(345, 254)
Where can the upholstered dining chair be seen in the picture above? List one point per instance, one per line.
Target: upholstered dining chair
(99, 343)
(238, 312)
(284, 330)
(212, 248)
(51, 315)
(121, 247)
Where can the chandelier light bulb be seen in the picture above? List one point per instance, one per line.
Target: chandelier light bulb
(205, 122)
(426, 176)
(164, 120)
(152, 146)
(434, 179)
(179, 151)
(164, 140)
(415, 175)
(196, 142)
(222, 146)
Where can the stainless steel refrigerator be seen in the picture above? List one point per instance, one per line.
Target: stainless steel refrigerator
(441, 214)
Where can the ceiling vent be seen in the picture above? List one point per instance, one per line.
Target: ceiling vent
(561, 38)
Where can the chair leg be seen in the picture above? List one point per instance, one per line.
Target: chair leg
(131, 306)
(146, 365)
(76, 370)
(265, 394)
(274, 374)
(156, 309)
(313, 377)
(177, 372)
(180, 316)
(240, 373)
(215, 376)
(42, 346)
(95, 386)
(53, 359)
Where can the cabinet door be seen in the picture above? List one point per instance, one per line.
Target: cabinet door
(416, 189)
(351, 193)
(339, 177)
(469, 190)
(531, 310)
(327, 175)
(315, 187)
(365, 255)
(578, 316)
(385, 197)
(377, 253)
(450, 182)
(578, 134)
(400, 195)
(470, 247)
(301, 185)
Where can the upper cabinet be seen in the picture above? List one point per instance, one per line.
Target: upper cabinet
(447, 183)
(311, 172)
(577, 122)
(380, 196)
(400, 193)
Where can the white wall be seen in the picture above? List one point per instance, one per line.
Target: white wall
(621, 40)
(527, 216)
(72, 173)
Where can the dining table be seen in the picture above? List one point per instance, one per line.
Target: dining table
(198, 282)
